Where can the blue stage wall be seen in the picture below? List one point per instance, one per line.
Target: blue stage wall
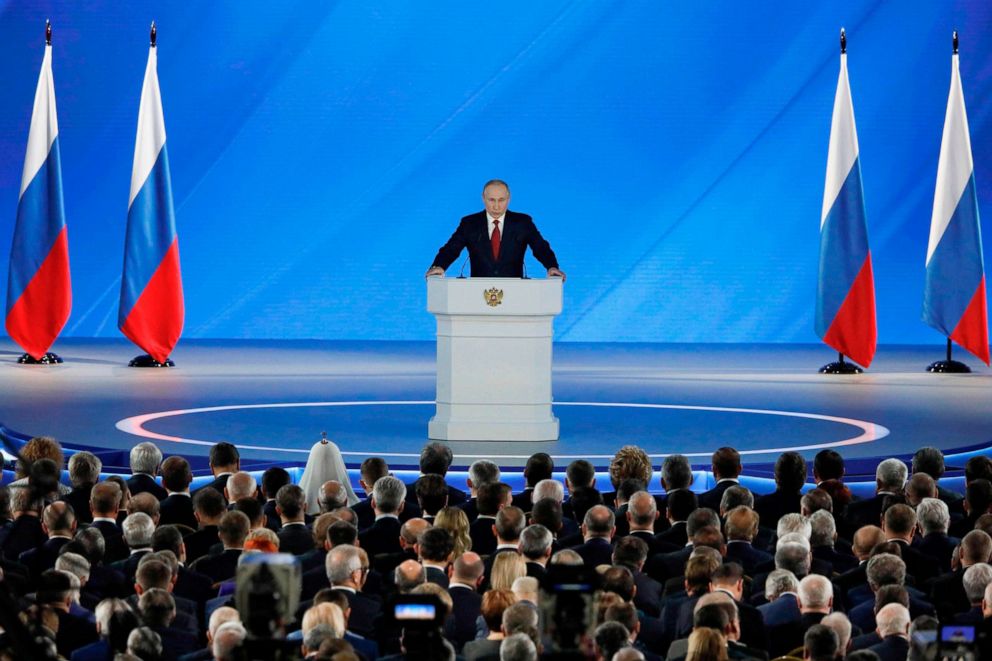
(673, 153)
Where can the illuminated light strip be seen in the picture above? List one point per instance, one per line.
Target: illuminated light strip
(870, 432)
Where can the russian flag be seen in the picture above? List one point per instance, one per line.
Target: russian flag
(845, 300)
(954, 298)
(39, 291)
(151, 309)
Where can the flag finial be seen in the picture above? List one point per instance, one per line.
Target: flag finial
(154, 34)
(843, 41)
(954, 39)
(48, 33)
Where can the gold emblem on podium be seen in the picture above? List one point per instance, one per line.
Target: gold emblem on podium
(493, 296)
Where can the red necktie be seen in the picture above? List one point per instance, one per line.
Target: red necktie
(494, 239)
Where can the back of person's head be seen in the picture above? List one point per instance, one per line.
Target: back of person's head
(978, 467)
(436, 458)
(978, 496)
(815, 500)
(138, 529)
(388, 494)
(885, 569)
(976, 578)
(241, 485)
(167, 538)
(491, 497)
(828, 465)
(841, 626)
(676, 472)
(610, 637)
(157, 606)
(920, 486)
(518, 616)
(176, 474)
(630, 552)
(891, 475)
(432, 493)
(494, 602)
(548, 513)
(84, 468)
(624, 612)
(820, 643)
(900, 520)
(517, 647)
(736, 496)
(436, 545)
(549, 488)
(891, 594)
(153, 574)
(507, 567)
(698, 571)
(930, 461)
(409, 574)
(710, 615)
(706, 644)
(53, 587)
(343, 561)
(228, 640)
(793, 522)
(273, 479)
(976, 546)
(627, 488)
(790, 472)
(726, 463)
(145, 458)
(341, 532)
(209, 503)
(779, 582)
(224, 455)
(583, 499)
(482, 472)
(39, 447)
(580, 473)
(934, 516)
(742, 523)
(105, 498)
(144, 643)
(865, 539)
(233, 529)
(74, 563)
(701, 517)
(510, 522)
(823, 528)
(535, 542)
(630, 461)
(619, 581)
(681, 504)
(727, 575)
(114, 620)
(815, 592)
(59, 518)
(372, 469)
(892, 619)
(411, 530)
(291, 501)
(92, 546)
(599, 521)
(539, 467)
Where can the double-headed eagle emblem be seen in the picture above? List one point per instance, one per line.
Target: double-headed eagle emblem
(493, 296)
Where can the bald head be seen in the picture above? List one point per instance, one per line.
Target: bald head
(332, 496)
(240, 485)
(598, 522)
(411, 531)
(409, 574)
(468, 568)
(865, 539)
(891, 620)
(59, 519)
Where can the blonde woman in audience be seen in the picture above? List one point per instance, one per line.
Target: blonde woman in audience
(455, 521)
(706, 644)
(507, 567)
(327, 614)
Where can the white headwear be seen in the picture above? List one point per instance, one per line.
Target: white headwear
(324, 463)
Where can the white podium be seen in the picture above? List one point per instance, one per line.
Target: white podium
(493, 358)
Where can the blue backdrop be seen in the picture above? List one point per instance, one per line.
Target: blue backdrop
(673, 153)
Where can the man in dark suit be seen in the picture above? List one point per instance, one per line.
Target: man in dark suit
(208, 507)
(893, 627)
(435, 459)
(388, 501)
(463, 586)
(177, 507)
(536, 545)
(54, 589)
(934, 518)
(145, 461)
(84, 472)
(158, 571)
(158, 612)
(431, 492)
(480, 472)
(790, 476)
(189, 584)
(726, 465)
(631, 552)
(294, 535)
(947, 592)
(597, 532)
(496, 240)
(977, 501)
(58, 522)
(678, 506)
(890, 479)
(930, 460)
(232, 531)
(347, 568)
(434, 549)
(899, 526)
(105, 500)
(641, 516)
(138, 529)
(273, 479)
(540, 466)
(225, 460)
(741, 528)
(729, 578)
(490, 500)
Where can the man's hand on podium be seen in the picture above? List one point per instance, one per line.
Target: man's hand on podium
(552, 273)
(434, 270)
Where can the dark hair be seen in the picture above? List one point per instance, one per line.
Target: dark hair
(580, 473)
(435, 458)
(167, 538)
(224, 454)
(274, 479)
(978, 468)
(341, 532)
(628, 487)
(978, 495)
(828, 465)
(233, 528)
(176, 474)
(728, 572)
(432, 493)
(929, 460)
(727, 462)
(251, 508)
(290, 500)
(122, 622)
(821, 643)
(547, 512)
(620, 581)
(583, 499)
(436, 544)
(209, 502)
(490, 496)
(790, 471)
(539, 467)
(630, 552)
(372, 469)
(711, 616)
(681, 504)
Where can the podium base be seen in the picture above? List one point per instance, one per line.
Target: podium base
(948, 367)
(47, 359)
(484, 430)
(839, 367)
(147, 361)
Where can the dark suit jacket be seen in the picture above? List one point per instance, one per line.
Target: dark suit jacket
(142, 483)
(129, 565)
(676, 534)
(382, 537)
(774, 506)
(712, 498)
(841, 562)
(460, 627)
(114, 539)
(218, 567)
(435, 575)
(79, 498)
(748, 557)
(198, 543)
(455, 497)
(74, 632)
(938, 546)
(176, 642)
(177, 509)
(295, 539)
(865, 512)
(218, 483)
(517, 231)
(470, 509)
(948, 596)
(194, 586)
(523, 499)
(892, 648)
(668, 565)
(655, 545)
(43, 557)
(272, 520)
(649, 593)
(366, 515)
(364, 610)
(23, 534)
(483, 537)
(919, 565)
(187, 613)
(597, 551)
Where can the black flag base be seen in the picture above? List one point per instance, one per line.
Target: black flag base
(948, 367)
(840, 367)
(147, 361)
(47, 359)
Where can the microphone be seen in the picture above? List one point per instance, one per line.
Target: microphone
(525, 271)
(461, 273)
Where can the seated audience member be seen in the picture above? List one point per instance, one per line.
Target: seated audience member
(976, 578)
(239, 485)
(145, 503)
(225, 461)
(536, 545)
(144, 643)
(554, 490)
(208, 507)
(741, 528)
(930, 461)
(790, 476)
(54, 590)
(947, 591)
(58, 522)
(717, 612)
(218, 618)
(189, 584)
(782, 594)
(703, 528)
(899, 526)
(371, 470)
(294, 535)
(115, 620)
(37, 449)
(125, 499)
(490, 500)
(507, 567)
(735, 496)
(273, 479)
(676, 474)
(434, 548)
(84, 472)
(480, 472)
(820, 643)
(388, 502)
(864, 540)
(698, 573)
(455, 521)
(580, 474)
(77, 565)
(494, 604)
(977, 502)
(729, 578)
(583, 498)
(517, 647)
(103, 582)
(630, 462)
(435, 459)
(231, 531)
(893, 628)
(540, 466)
(347, 568)
(105, 503)
(466, 577)
(598, 527)
(918, 487)
(631, 553)
(410, 532)
(610, 638)
(333, 496)
(678, 506)
(228, 641)
(890, 480)
(177, 507)
(138, 529)
(159, 571)
(815, 500)
(548, 513)
(145, 460)
(934, 520)
(823, 537)
(842, 628)
(885, 569)
(627, 615)
(642, 516)
(158, 611)
(432, 496)
(726, 465)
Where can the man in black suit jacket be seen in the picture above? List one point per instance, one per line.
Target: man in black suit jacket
(435, 459)
(678, 506)
(388, 499)
(294, 535)
(54, 589)
(466, 576)
(741, 528)
(490, 500)
(159, 612)
(145, 461)
(209, 507)
(726, 465)
(225, 460)
(347, 568)
(597, 531)
(899, 525)
(632, 552)
(157, 572)
(496, 240)
(177, 507)
(232, 531)
(893, 626)
(790, 476)
(540, 466)
(84, 472)
(890, 479)
(105, 499)
(58, 522)
(189, 584)
(434, 548)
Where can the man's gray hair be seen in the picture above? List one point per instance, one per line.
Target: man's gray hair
(933, 515)
(388, 493)
(317, 634)
(105, 610)
(700, 518)
(518, 647)
(519, 616)
(75, 564)
(241, 485)
(144, 643)
(794, 523)
(794, 557)
(643, 508)
(793, 538)
(815, 591)
(976, 578)
(892, 619)
(891, 475)
(84, 468)
(841, 626)
(483, 472)
(496, 182)
(145, 458)
(823, 527)
(885, 569)
(138, 529)
(676, 471)
(535, 540)
(548, 488)
(736, 496)
(779, 582)
(341, 562)
(227, 640)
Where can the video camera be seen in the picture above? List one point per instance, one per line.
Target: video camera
(568, 605)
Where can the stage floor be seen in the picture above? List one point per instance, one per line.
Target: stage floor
(274, 398)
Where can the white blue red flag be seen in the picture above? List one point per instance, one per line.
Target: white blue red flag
(845, 300)
(151, 310)
(954, 299)
(39, 291)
